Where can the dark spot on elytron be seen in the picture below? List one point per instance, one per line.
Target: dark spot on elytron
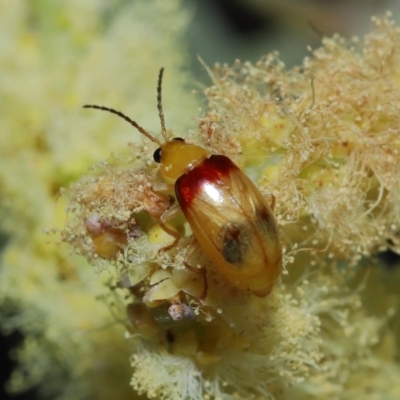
(268, 220)
(170, 336)
(263, 213)
(231, 251)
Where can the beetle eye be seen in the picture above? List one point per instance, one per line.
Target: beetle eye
(178, 138)
(157, 155)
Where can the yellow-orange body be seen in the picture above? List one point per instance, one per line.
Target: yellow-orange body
(229, 217)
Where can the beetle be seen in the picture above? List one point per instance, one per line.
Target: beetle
(230, 219)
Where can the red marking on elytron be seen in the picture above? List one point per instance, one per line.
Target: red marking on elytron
(211, 170)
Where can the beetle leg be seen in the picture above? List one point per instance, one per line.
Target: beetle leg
(272, 204)
(161, 187)
(166, 216)
(194, 246)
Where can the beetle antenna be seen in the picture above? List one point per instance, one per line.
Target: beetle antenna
(159, 104)
(126, 118)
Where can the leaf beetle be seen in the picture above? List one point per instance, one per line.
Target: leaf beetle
(230, 219)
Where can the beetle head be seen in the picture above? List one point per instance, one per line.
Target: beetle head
(176, 157)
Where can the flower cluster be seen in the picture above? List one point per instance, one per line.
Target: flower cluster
(134, 305)
(324, 140)
(57, 56)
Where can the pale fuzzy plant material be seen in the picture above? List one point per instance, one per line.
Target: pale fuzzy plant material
(108, 200)
(310, 340)
(323, 139)
(56, 56)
